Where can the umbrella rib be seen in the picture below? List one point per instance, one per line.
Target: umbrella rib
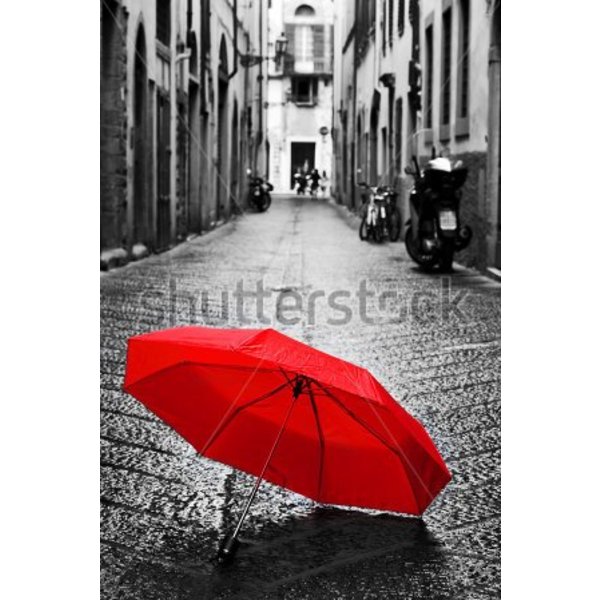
(398, 452)
(321, 439)
(290, 381)
(217, 432)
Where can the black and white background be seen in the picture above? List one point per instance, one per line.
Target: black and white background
(52, 422)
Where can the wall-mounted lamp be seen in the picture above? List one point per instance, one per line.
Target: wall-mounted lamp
(281, 44)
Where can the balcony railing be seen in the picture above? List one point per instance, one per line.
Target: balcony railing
(317, 66)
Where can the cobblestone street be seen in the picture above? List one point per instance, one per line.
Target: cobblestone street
(432, 340)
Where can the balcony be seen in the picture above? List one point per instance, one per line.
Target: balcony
(317, 66)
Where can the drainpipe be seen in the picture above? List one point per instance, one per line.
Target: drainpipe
(259, 136)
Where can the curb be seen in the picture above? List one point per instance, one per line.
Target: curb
(353, 220)
(119, 257)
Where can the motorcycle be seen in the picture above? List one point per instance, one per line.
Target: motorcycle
(259, 190)
(314, 184)
(380, 213)
(434, 232)
(301, 183)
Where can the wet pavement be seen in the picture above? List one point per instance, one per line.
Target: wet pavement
(433, 341)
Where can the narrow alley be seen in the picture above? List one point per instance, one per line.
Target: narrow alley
(432, 340)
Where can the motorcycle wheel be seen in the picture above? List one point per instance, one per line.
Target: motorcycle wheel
(267, 202)
(446, 258)
(363, 230)
(260, 203)
(427, 261)
(393, 224)
(378, 231)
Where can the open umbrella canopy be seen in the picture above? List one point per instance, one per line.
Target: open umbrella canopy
(271, 406)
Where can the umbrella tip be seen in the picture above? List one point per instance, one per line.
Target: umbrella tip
(227, 549)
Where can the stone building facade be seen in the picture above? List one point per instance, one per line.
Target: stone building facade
(415, 75)
(300, 90)
(181, 118)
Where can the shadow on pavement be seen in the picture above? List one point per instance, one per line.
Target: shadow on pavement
(290, 559)
(329, 553)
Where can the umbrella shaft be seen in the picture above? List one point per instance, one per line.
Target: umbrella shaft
(264, 469)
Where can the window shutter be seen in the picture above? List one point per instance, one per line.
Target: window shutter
(319, 41)
(289, 60)
(319, 47)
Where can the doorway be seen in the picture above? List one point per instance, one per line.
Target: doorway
(493, 183)
(140, 145)
(234, 170)
(373, 157)
(222, 133)
(303, 158)
(163, 169)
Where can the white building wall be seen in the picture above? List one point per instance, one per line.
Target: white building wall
(287, 122)
(244, 87)
(478, 78)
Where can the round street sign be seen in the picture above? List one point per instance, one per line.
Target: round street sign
(323, 130)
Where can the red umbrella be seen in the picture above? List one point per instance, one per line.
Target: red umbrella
(276, 408)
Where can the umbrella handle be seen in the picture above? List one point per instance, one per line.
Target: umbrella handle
(227, 549)
(230, 543)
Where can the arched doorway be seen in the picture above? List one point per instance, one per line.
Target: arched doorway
(344, 165)
(194, 150)
(141, 196)
(223, 137)
(359, 151)
(373, 139)
(234, 171)
(113, 127)
(494, 138)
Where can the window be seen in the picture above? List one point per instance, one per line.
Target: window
(204, 29)
(304, 43)
(446, 66)
(429, 77)
(163, 21)
(462, 70)
(365, 24)
(398, 134)
(384, 156)
(163, 72)
(401, 12)
(391, 21)
(305, 10)
(383, 26)
(304, 90)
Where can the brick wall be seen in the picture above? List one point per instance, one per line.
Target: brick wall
(113, 127)
(473, 210)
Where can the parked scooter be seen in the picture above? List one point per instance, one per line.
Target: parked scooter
(259, 196)
(434, 232)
